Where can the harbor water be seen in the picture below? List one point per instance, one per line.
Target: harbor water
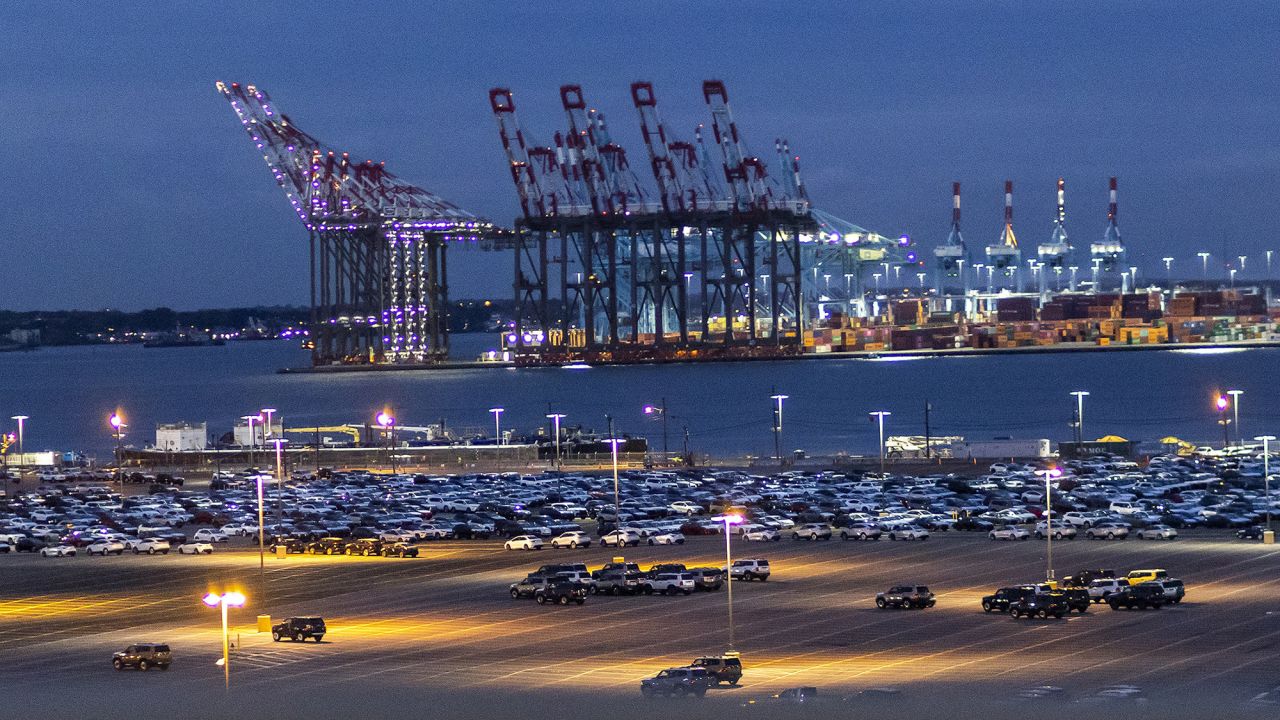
(68, 392)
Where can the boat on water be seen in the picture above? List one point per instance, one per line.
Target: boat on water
(182, 338)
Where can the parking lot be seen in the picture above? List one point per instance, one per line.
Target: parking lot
(441, 628)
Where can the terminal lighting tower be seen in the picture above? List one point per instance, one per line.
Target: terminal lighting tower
(951, 257)
(1056, 254)
(1110, 252)
(1004, 255)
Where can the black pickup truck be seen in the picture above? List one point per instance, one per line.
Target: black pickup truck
(299, 629)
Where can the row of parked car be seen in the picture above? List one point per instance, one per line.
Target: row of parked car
(1139, 589)
(551, 583)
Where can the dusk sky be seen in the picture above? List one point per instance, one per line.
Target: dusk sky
(132, 184)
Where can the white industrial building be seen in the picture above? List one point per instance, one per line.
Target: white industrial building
(182, 436)
(260, 435)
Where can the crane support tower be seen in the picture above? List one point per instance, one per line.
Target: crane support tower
(1055, 255)
(1004, 256)
(608, 270)
(379, 291)
(1108, 255)
(951, 257)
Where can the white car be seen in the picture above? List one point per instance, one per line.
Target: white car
(1010, 533)
(244, 529)
(571, 539)
(432, 532)
(762, 534)
(524, 542)
(667, 538)
(1157, 532)
(195, 548)
(105, 547)
(620, 538)
(1107, 531)
(669, 584)
(58, 551)
(210, 536)
(396, 536)
(686, 507)
(1060, 531)
(151, 546)
(908, 532)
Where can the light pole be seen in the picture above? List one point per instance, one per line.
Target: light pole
(1168, 271)
(555, 419)
(1269, 263)
(880, 415)
(262, 547)
(118, 425)
(660, 410)
(497, 424)
(1080, 395)
(1074, 269)
(617, 503)
(22, 419)
(1048, 519)
(1235, 410)
(777, 425)
(388, 423)
(1204, 266)
(1242, 258)
(253, 436)
(1266, 471)
(1221, 403)
(224, 601)
(267, 428)
(279, 443)
(729, 520)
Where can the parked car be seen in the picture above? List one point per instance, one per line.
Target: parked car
(1253, 532)
(299, 629)
(620, 538)
(860, 531)
(905, 596)
(365, 547)
(143, 656)
(58, 551)
(811, 531)
(666, 538)
(557, 590)
(1174, 590)
(399, 549)
(1102, 589)
(908, 532)
(707, 578)
(1141, 596)
(195, 548)
(669, 583)
(571, 539)
(762, 534)
(1009, 532)
(1061, 531)
(1002, 599)
(725, 668)
(677, 682)
(1040, 605)
(1140, 576)
(1083, 578)
(105, 547)
(211, 536)
(617, 582)
(1159, 531)
(523, 542)
(753, 569)
(1107, 531)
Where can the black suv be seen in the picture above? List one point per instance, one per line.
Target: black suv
(1084, 577)
(399, 549)
(560, 591)
(905, 596)
(328, 546)
(1077, 599)
(721, 668)
(678, 682)
(626, 567)
(142, 656)
(298, 629)
(656, 570)
(616, 582)
(1041, 605)
(290, 545)
(1004, 597)
(1141, 596)
(364, 546)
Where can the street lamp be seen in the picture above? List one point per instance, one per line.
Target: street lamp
(661, 411)
(777, 425)
(555, 418)
(224, 601)
(253, 437)
(1048, 519)
(388, 423)
(279, 443)
(267, 428)
(880, 415)
(617, 503)
(1204, 265)
(497, 424)
(1235, 409)
(1221, 403)
(21, 424)
(729, 520)
(118, 425)
(1168, 271)
(1266, 471)
(1080, 395)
